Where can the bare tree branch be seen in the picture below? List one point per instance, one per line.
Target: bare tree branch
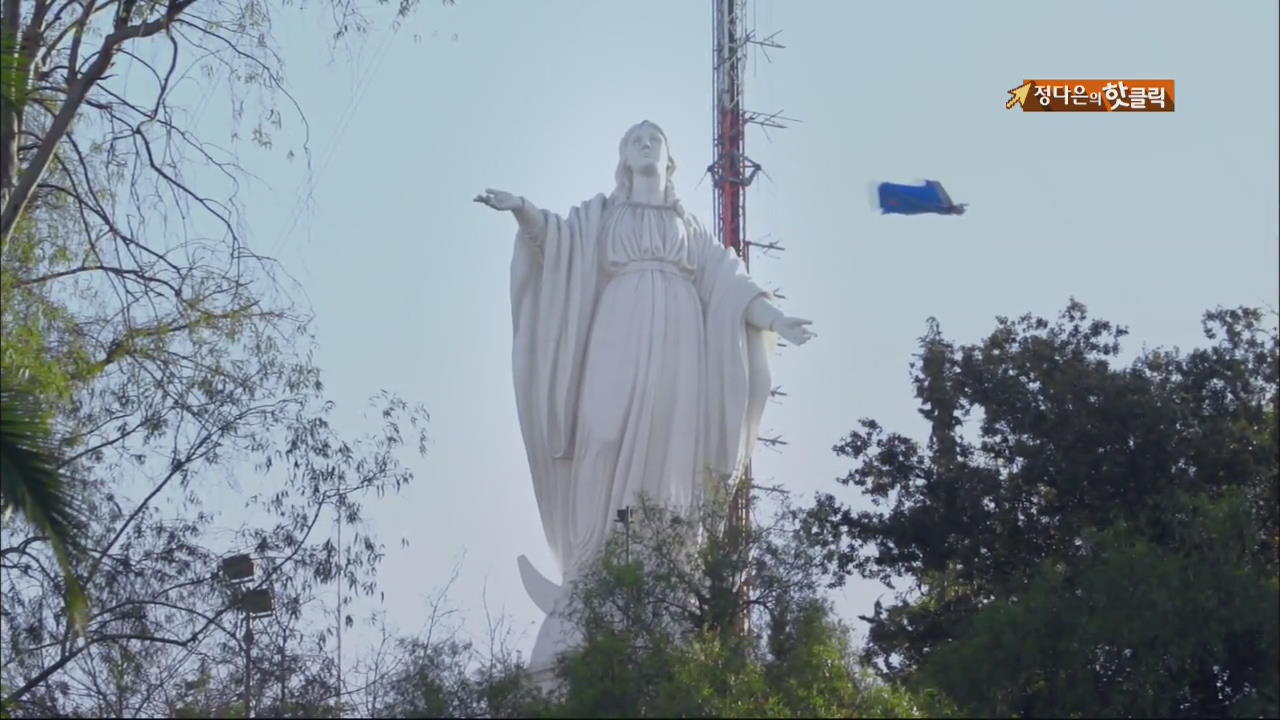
(15, 202)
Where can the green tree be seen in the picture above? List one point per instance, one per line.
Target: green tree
(159, 599)
(662, 634)
(166, 356)
(1186, 629)
(1062, 493)
(661, 637)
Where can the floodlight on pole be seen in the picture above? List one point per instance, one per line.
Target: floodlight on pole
(254, 603)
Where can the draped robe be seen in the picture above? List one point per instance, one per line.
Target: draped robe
(635, 371)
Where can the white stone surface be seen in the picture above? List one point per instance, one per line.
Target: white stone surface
(639, 359)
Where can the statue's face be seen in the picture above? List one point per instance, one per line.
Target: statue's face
(646, 151)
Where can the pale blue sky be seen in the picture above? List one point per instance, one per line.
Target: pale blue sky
(1149, 219)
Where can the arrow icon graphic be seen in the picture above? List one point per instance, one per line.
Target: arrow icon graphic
(1019, 95)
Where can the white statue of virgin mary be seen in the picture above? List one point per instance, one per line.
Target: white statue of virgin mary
(640, 360)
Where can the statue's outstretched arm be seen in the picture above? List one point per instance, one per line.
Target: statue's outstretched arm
(762, 314)
(531, 220)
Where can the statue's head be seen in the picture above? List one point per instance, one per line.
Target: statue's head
(644, 151)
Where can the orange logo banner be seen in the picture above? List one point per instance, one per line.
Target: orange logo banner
(1092, 96)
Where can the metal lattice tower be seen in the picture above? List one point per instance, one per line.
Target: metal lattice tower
(731, 172)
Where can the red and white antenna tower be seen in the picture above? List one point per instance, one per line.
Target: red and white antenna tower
(732, 171)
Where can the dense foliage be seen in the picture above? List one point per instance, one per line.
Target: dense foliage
(1078, 536)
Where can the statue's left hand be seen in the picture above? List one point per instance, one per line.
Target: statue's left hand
(793, 330)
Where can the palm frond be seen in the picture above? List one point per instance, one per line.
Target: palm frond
(31, 485)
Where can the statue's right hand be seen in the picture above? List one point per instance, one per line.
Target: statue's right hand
(499, 200)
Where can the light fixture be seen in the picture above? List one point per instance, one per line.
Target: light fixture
(257, 602)
(237, 568)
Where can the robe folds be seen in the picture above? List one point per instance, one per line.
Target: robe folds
(635, 370)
